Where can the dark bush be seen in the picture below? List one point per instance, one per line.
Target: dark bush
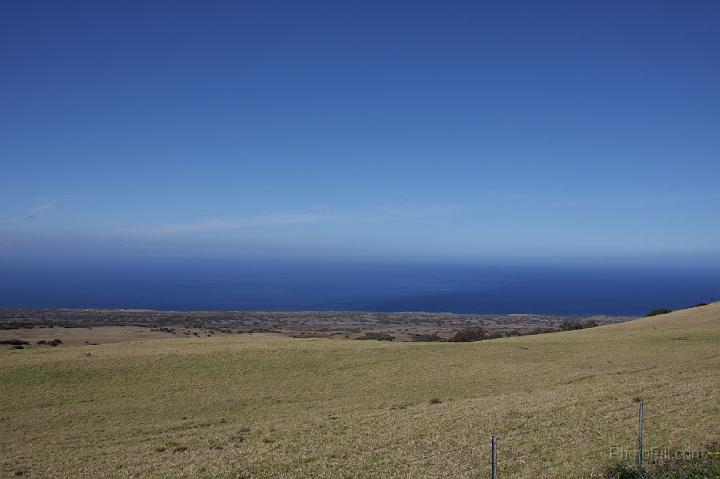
(426, 338)
(656, 312)
(377, 336)
(13, 342)
(573, 324)
(471, 333)
(622, 471)
(533, 332)
(570, 325)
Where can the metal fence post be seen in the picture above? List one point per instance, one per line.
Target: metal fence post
(493, 441)
(641, 420)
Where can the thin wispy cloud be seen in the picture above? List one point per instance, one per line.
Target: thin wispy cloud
(220, 224)
(34, 210)
(43, 205)
(385, 213)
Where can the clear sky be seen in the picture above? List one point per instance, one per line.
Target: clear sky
(247, 128)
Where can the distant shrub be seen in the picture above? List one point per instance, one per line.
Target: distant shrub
(496, 335)
(469, 334)
(17, 346)
(426, 338)
(573, 324)
(570, 325)
(435, 401)
(656, 312)
(377, 336)
(533, 332)
(13, 342)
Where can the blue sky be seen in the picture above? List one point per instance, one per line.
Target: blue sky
(432, 129)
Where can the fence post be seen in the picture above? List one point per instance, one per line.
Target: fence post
(641, 420)
(493, 441)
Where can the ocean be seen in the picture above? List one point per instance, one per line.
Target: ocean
(493, 287)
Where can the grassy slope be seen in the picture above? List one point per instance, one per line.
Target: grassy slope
(265, 406)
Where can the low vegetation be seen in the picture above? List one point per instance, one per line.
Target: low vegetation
(378, 336)
(406, 326)
(574, 324)
(14, 342)
(469, 334)
(703, 463)
(426, 338)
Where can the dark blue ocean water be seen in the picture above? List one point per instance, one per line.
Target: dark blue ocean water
(474, 287)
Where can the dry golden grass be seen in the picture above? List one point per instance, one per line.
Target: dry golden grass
(81, 336)
(268, 406)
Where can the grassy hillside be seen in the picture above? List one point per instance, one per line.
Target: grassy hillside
(267, 406)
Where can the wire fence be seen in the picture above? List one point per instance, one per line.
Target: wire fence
(514, 459)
